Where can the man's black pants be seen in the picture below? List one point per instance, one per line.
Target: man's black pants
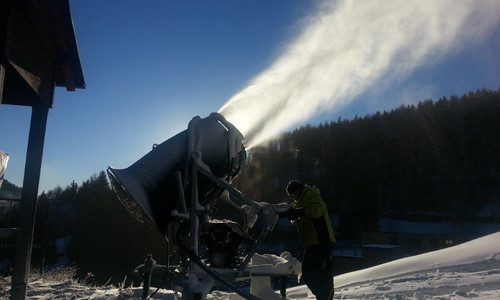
(317, 270)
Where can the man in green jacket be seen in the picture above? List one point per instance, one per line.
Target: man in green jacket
(316, 236)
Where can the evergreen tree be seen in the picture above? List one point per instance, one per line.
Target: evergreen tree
(108, 242)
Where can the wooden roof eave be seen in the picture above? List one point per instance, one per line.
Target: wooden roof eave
(39, 53)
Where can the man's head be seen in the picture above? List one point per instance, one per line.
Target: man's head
(294, 188)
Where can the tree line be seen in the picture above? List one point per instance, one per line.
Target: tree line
(437, 158)
(86, 227)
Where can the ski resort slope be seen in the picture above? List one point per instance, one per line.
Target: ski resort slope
(468, 270)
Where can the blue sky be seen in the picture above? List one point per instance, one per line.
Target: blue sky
(150, 66)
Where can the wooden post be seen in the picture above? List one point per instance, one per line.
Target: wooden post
(4, 20)
(2, 79)
(29, 200)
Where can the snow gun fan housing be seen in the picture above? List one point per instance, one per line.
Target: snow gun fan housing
(155, 188)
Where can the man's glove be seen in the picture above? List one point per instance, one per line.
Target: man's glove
(294, 213)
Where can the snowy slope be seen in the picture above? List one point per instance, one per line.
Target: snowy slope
(469, 270)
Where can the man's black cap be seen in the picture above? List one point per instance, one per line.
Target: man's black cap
(293, 186)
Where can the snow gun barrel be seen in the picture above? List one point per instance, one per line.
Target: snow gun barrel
(156, 185)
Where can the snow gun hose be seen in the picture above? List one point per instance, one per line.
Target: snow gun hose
(195, 259)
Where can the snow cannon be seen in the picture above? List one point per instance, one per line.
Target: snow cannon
(181, 190)
(155, 187)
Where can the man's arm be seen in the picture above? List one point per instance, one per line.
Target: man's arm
(314, 210)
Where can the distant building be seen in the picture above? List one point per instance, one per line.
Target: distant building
(489, 213)
(413, 238)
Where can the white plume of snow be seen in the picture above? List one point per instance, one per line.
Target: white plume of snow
(345, 49)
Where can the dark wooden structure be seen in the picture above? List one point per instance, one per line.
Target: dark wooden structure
(38, 52)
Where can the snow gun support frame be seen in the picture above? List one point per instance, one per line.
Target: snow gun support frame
(193, 215)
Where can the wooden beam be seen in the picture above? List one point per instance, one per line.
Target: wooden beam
(63, 44)
(4, 21)
(27, 215)
(2, 80)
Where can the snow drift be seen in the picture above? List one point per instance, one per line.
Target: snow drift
(470, 269)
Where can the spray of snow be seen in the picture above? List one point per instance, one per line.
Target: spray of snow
(345, 49)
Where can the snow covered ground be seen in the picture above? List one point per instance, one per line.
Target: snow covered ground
(469, 270)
